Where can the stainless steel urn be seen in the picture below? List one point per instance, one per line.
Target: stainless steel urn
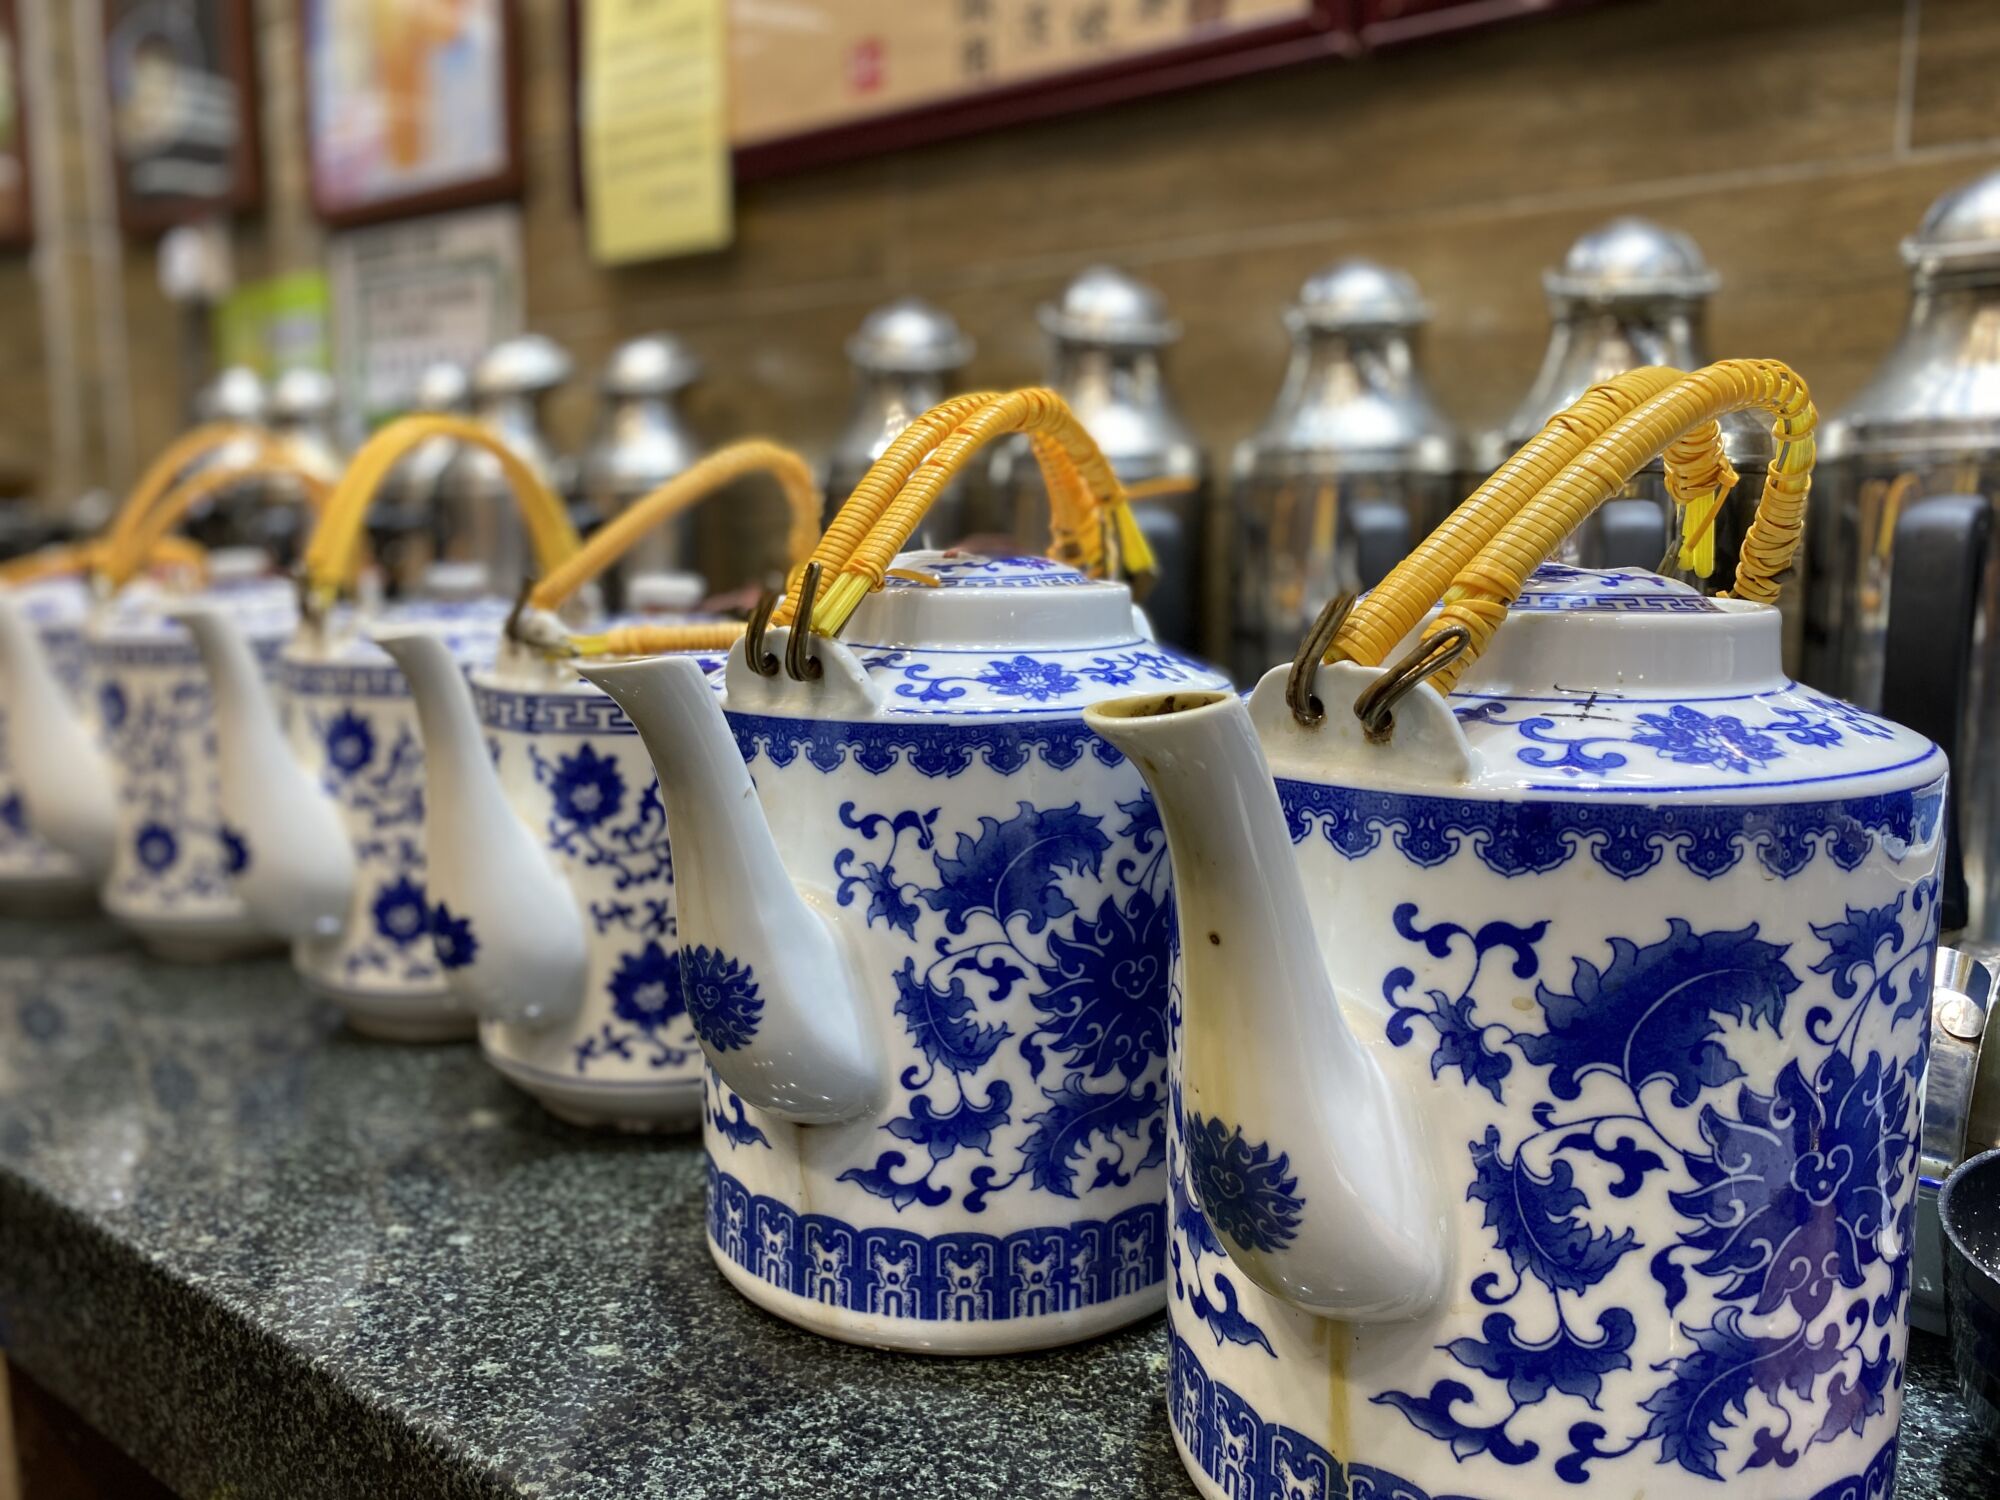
(1354, 463)
(642, 441)
(476, 519)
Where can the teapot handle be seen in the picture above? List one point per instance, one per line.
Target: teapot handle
(1939, 561)
(1681, 424)
(330, 555)
(275, 457)
(1091, 520)
(688, 488)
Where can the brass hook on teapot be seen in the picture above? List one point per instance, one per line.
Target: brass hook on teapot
(1375, 708)
(760, 661)
(1299, 695)
(800, 664)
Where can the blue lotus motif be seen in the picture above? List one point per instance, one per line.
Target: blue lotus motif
(111, 705)
(1693, 738)
(1801, 1184)
(1247, 1194)
(235, 850)
(452, 937)
(1104, 989)
(13, 816)
(588, 788)
(350, 742)
(400, 912)
(1025, 677)
(646, 988)
(721, 997)
(156, 846)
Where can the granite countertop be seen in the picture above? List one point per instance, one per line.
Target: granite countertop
(269, 1258)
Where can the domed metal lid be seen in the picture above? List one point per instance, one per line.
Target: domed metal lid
(235, 395)
(521, 366)
(1959, 232)
(909, 337)
(1631, 259)
(443, 386)
(653, 365)
(301, 395)
(1103, 305)
(1357, 293)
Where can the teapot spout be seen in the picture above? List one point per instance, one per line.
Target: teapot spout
(507, 929)
(1275, 1085)
(769, 988)
(301, 877)
(66, 782)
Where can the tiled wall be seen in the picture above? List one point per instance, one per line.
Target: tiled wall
(1796, 139)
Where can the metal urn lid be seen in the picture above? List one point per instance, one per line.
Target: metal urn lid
(909, 337)
(1104, 306)
(656, 364)
(1352, 388)
(1628, 293)
(1355, 295)
(1939, 387)
(303, 396)
(235, 395)
(1631, 260)
(1960, 232)
(523, 366)
(442, 387)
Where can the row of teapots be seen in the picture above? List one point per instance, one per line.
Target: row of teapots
(978, 1079)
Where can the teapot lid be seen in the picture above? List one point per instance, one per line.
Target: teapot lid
(981, 636)
(909, 337)
(469, 628)
(53, 605)
(145, 621)
(1627, 682)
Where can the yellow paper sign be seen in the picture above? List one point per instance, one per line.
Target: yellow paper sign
(655, 128)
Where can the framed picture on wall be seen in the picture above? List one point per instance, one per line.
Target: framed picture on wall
(17, 218)
(410, 106)
(181, 89)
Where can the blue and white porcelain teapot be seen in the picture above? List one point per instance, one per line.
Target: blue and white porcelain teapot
(552, 883)
(1546, 1067)
(924, 937)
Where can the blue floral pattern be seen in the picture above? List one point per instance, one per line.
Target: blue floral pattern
(587, 787)
(156, 847)
(1089, 986)
(721, 997)
(350, 742)
(647, 998)
(1244, 1191)
(452, 937)
(1797, 1193)
(400, 914)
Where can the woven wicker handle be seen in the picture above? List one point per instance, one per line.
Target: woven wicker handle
(1091, 522)
(1391, 610)
(1681, 423)
(277, 459)
(331, 554)
(698, 482)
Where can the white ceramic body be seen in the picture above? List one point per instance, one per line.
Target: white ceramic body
(977, 885)
(176, 862)
(35, 874)
(352, 725)
(576, 777)
(1653, 966)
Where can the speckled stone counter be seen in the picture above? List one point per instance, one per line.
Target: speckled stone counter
(270, 1259)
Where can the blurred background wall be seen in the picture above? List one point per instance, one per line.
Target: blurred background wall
(1797, 140)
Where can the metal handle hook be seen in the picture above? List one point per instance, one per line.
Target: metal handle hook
(1375, 708)
(800, 664)
(1299, 695)
(760, 661)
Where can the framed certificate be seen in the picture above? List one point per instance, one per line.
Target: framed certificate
(410, 105)
(181, 85)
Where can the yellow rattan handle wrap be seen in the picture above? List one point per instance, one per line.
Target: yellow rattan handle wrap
(164, 470)
(1073, 466)
(1483, 589)
(121, 565)
(886, 477)
(330, 556)
(1391, 610)
(700, 480)
(657, 640)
